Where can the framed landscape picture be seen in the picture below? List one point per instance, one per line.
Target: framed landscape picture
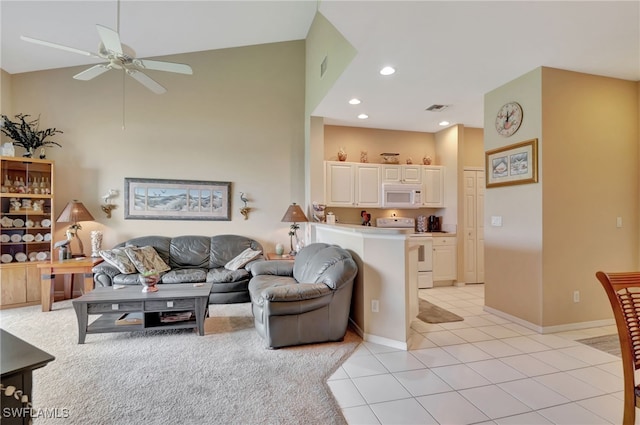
(513, 164)
(159, 199)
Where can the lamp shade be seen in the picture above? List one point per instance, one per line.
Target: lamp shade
(74, 212)
(294, 214)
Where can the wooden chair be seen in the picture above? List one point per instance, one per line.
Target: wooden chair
(623, 290)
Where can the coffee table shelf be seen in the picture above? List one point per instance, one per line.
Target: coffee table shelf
(111, 304)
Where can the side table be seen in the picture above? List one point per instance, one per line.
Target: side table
(274, 256)
(18, 360)
(49, 270)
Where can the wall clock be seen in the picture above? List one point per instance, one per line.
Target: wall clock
(509, 119)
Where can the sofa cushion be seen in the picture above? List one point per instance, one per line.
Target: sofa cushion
(189, 251)
(185, 276)
(225, 248)
(220, 275)
(146, 259)
(242, 259)
(118, 258)
(126, 279)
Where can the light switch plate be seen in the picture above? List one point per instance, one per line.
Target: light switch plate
(618, 222)
(496, 220)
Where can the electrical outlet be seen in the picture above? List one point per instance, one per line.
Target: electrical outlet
(375, 306)
(576, 296)
(496, 220)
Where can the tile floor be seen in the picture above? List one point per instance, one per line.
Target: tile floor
(484, 370)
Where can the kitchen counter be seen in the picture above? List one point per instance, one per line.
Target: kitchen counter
(381, 230)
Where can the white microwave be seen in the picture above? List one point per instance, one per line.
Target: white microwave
(401, 195)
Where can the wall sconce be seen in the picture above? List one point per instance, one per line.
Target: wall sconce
(244, 210)
(107, 207)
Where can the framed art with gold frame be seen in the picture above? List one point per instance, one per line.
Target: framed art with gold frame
(513, 164)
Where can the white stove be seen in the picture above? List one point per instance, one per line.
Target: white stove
(422, 240)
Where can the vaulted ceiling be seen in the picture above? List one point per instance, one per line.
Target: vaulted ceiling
(445, 52)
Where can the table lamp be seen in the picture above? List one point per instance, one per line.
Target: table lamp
(294, 215)
(73, 213)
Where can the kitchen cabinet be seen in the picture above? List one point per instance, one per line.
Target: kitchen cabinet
(445, 258)
(402, 174)
(349, 184)
(433, 186)
(26, 227)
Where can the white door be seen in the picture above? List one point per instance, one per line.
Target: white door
(474, 187)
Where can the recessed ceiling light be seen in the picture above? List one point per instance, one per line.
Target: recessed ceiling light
(443, 123)
(363, 116)
(387, 70)
(355, 101)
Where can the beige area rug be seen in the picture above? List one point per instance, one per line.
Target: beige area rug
(607, 343)
(431, 313)
(178, 377)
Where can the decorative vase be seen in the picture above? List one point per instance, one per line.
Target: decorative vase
(279, 249)
(149, 282)
(43, 154)
(364, 157)
(96, 242)
(426, 160)
(342, 154)
(28, 153)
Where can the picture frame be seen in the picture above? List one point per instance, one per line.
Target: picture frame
(513, 164)
(161, 199)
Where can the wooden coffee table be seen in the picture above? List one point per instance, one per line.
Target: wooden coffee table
(155, 309)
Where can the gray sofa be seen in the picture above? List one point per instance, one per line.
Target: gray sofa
(192, 259)
(306, 300)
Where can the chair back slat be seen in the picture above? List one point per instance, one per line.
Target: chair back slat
(623, 290)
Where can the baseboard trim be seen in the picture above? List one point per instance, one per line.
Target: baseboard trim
(377, 339)
(550, 329)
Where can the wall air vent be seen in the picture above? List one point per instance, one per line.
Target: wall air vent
(437, 108)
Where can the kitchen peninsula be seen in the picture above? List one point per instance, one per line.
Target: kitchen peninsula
(385, 294)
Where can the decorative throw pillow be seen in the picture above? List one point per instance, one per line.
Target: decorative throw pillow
(146, 259)
(243, 258)
(118, 258)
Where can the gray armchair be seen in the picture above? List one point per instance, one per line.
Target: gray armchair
(303, 301)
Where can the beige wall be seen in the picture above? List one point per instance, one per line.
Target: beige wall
(409, 144)
(590, 164)
(513, 252)
(473, 147)
(239, 118)
(558, 232)
(5, 92)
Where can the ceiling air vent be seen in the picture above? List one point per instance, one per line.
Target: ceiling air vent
(437, 108)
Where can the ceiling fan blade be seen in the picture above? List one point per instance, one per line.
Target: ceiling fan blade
(92, 72)
(180, 68)
(58, 46)
(147, 81)
(110, 39)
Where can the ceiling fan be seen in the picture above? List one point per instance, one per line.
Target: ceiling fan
(119, 56)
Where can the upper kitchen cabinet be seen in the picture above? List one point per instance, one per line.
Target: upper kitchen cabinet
(402, 173)
(433, 183)
(349, 184)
